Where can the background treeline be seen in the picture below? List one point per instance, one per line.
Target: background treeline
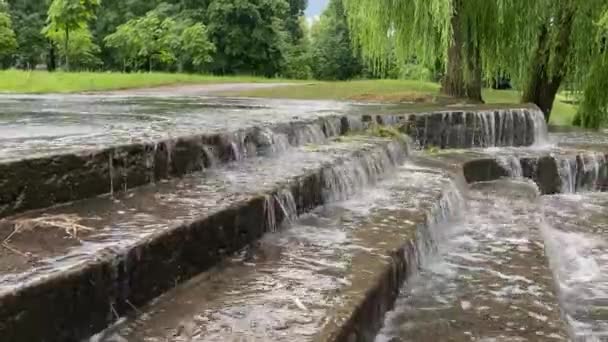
(255, 37)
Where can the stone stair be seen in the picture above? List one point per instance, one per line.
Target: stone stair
(300, 228)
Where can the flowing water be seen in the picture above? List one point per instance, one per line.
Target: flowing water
(282, 288)
(489, 282)
(576, 235)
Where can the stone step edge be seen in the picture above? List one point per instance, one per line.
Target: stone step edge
(543, 170)
(46, 181)
(371, 306)
(80, 302)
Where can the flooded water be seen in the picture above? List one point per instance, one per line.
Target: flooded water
(285, 286)
(121, 221)
(489, 282)
(41, 125)
(576, 233)
(493, 261)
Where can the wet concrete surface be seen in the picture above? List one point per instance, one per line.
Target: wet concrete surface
(36, 126)
(576, 232)
(307, 281)
(490, 282)
(121, 220)
(133, 247)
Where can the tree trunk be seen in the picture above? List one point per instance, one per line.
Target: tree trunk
(456, 82)
(545, 79)
(67, 51)
(51, 63)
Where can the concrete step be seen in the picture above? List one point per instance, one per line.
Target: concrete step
(73, 269)
(330, 276)
(490, 282)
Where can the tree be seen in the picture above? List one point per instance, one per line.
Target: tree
(593, 109)
(8, 39)
(194, 46)
(293, 20)
(156, 39)
(67, 16)
(28, 21)
(144, 40)
(82, 51)
(298, 56)
(249, 36)
(458, 32)
(566, 47)
(333, 54)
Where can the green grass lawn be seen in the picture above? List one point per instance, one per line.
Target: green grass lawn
(17, 81)
(395, 90)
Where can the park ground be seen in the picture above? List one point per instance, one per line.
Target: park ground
(40, 82)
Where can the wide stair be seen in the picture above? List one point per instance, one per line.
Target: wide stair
(331, 226)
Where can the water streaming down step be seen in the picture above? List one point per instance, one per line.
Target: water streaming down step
(576, 238)
(342, 181)
(583, 172)
(482, 128)
(288, 286)
(488, 280)
(512, 164)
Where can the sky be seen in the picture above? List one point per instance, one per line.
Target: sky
(315, 7)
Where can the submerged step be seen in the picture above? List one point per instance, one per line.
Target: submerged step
(562, 171)
(45, 181)
(329, 276)
(70, 271)
(477, 128)
(577, 240)
(490, 280)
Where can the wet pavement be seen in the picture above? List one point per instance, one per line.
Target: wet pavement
(303, 282)
(47, 242)
(576, 232)
(36, 126)
(490, 282)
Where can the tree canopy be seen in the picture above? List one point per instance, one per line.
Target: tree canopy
(8, 39)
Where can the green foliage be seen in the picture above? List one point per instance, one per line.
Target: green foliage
(8, 39)
(67, 16)
(159, 41)
(249, 36)
(593, 110)
(333, 56)
(82, 51)
(298, 59)
(195, 46)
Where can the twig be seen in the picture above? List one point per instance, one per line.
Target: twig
(14, 250)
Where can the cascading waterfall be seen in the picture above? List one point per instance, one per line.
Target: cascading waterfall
(288, 206)
(512, 165)
(447, 210)
(567, 170)
(584, 172)
(518, 127)
(343, 180)
(310, 134)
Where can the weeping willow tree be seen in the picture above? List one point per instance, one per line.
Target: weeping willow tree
(539, 44)
(469, 36)
(593, 109)
(567, 48)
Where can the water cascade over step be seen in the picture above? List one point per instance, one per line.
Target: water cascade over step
(482, 128)
(305, 283)
(489, 282)
(568, 172)
(576, 235)
(146, 241)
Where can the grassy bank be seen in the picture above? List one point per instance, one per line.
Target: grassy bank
(17, 81)
(395, 91)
